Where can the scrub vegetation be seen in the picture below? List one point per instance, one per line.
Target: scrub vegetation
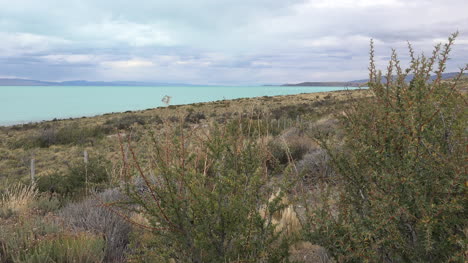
(373, 175)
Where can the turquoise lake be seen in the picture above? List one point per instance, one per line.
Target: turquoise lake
(22, 104)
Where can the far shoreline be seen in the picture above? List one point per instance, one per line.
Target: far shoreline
(97, 115)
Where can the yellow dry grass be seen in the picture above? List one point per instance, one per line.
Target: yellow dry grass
(286, 219)
(19, 198)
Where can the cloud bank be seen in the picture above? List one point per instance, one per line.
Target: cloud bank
(219, 41)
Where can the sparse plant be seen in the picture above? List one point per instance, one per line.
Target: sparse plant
(125, 121)
(70, 134)
(402, 182)
(194, 117)
(202, 197)
(68, 248)
(46, 203)
(79, 177)
(91, 215)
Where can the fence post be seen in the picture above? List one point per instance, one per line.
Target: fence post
(85, 156)
(85, 159)
(33, 170)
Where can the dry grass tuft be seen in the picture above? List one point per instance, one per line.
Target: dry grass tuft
(286, 219)
(19, 198)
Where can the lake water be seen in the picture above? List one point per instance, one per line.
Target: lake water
(21, 104)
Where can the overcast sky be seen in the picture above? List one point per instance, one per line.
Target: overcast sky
(235, 42)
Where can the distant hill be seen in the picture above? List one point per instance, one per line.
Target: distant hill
(30, 82)
(24, 82)
(326, 84)
(361, 82)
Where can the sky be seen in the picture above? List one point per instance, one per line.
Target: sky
(222, 42)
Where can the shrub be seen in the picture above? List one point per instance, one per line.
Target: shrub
(79, 176)
(93, 173)
(173, 118)
(126, 121)
(18, 238)
(46, 203)
(67, 248)
(71, 134)
(403, 195)
(290, 146)
(314, 167)
(91, 215)
(194, 117)
(77, 248)
(202, 202)
(291, 111)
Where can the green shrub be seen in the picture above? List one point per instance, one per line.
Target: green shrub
(93, 173)
(194, 117)
(71, 134)
(32, 239)
(292, 111)
(46, 203)
(18, 238)
(202, 198)
(67, 248)
(403, 187)
(53, 183)
(126, 121)
(78, 177)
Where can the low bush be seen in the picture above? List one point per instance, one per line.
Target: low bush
(71, 134)
(290, 146)
(46, 203)
(202, 198)
(53, 183)
(194, 117)
(126, 121)
(91, 215)
(67, 248)
(18, 238)
(403, 186)
(314, 167)
(291, 111)
(79, 176)
(173, 119)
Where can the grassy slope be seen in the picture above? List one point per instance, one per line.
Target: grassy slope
(15, 151)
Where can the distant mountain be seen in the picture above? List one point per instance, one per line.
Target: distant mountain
(30, 82)
(118, 83)
(361, 82)
(24, 82)
(325, 84)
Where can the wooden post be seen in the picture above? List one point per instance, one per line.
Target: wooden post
(85, 156)
(85, 159)
(126, 153)
(33, 170)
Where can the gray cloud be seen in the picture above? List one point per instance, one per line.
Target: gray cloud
(218, 41)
